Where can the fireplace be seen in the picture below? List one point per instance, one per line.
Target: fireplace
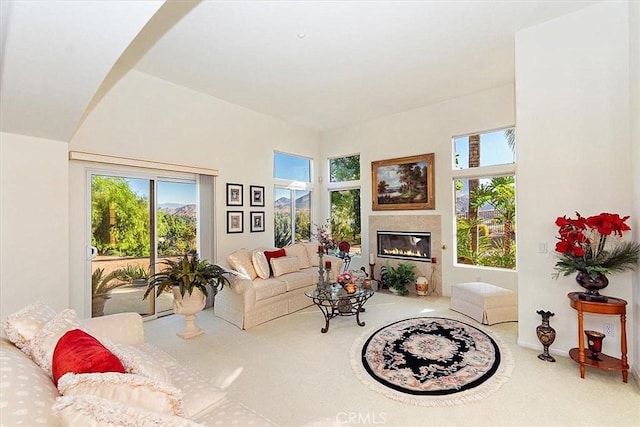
(405, 245)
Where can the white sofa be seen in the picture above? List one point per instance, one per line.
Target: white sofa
(258, 295)
(157, 390)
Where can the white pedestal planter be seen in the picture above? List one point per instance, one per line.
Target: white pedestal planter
(189, 306)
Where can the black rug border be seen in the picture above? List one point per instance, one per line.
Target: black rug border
(490, 373)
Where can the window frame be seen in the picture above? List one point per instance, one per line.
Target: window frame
(123, 171)
(355, 184)
(293, 181)
(480, 172)
(293, 186)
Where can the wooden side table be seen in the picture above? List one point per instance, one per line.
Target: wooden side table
(613, 306)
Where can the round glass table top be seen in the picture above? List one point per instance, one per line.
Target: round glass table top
(336, 292)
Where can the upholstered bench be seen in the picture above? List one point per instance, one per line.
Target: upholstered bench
(484, 302)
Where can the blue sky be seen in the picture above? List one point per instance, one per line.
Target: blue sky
(291, 167)
(493, 149)
(168, 192)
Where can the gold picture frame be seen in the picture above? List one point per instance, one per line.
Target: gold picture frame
(404, 183)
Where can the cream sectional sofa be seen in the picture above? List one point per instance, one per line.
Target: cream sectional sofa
(263, 290)
(157, 390)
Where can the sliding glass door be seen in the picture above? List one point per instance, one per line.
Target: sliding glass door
(136, 222)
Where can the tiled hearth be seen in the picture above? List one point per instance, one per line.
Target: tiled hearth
(430, 223)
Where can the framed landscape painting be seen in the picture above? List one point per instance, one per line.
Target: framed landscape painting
(403, 183)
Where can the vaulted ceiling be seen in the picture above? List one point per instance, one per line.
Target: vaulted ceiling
(319, 64)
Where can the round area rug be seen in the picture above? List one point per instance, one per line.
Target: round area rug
(431, 361)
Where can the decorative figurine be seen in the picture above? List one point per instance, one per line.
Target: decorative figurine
(546, 335)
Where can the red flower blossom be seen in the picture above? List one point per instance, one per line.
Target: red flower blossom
(582, 245)
(607, 223)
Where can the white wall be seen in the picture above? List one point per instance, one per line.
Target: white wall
(148, 118)
(34, 227)
(427, 130)
(634, 73)
(572, 103)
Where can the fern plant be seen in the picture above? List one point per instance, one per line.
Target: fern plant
(398, 277)
(187, 274)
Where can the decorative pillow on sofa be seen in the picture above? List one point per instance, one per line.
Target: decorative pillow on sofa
(284, 265)
(134, 390)
(261, 264)
(298, 250)
(240, 261)
(91, 411)
(277, 253)
(274, 254)
(45, 340)
(137, 361)
(312, 253)
(21, 327)
(80, 353)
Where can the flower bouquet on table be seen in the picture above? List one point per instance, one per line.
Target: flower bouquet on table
(348, 281)
(593, 247)
(323, 234)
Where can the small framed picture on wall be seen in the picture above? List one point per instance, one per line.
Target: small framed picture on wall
(234, 194)
(235, 221)
(257, 222)
(257, 195)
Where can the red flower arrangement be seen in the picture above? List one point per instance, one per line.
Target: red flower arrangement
(582, 245)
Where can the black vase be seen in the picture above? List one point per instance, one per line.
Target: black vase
(546, 335)
(592, 286)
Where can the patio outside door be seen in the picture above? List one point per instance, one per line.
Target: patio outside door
(136, 223)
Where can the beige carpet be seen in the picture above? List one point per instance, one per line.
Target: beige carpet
(294, 375)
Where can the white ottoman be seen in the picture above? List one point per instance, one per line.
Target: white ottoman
(484, 302)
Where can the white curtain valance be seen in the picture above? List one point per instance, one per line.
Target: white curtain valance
(128, 161)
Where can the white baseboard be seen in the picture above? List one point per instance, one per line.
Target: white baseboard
(538, 346)
(634, 371)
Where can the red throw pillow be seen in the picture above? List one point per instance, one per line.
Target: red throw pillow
(80, 353)
(274, 254)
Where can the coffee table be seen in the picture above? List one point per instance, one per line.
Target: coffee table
(335, 301)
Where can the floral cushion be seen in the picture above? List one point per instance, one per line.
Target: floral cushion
(21, 327)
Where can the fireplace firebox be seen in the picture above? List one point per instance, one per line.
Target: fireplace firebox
(406, 245)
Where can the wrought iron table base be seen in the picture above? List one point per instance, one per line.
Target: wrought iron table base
(341, 305)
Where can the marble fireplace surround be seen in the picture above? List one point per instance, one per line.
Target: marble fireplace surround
(430, 223)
